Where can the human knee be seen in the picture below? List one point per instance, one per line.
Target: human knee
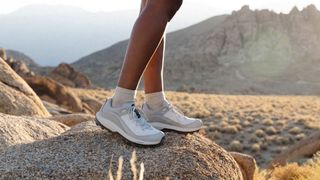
(169, 7)
(174, 7)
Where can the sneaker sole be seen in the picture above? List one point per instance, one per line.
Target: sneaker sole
(161, 126)
(107, 124)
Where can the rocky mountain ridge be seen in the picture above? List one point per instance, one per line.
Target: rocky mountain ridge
(22, 57)
(247, 52)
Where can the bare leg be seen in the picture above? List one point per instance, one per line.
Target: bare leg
(153, 74)
(145, 39)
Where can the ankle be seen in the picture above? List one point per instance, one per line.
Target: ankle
(155, 101)
(122, 96)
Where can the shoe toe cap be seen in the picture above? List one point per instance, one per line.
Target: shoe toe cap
(197, 123)
(157, 137)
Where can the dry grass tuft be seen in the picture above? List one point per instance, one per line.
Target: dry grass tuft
(236, 146)
(293, 171)
(133, 166)
(271, 130)
(119, 171)
(290, 172)
(141, 171)
(255, 147)
(110, 169)
(231, 129)
(295, 130)
(259, 133)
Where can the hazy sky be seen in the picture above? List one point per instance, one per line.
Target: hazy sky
(7, 6)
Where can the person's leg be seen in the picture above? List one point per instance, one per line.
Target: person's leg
(159, 111)
(119, 113)
(146, 37)
(153, 75)
(153, 79)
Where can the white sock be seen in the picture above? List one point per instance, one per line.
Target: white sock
(155, 101)
(122, 96)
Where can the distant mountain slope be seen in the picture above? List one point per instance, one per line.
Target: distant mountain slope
(51, 34)
(21, 57)
(247, 52)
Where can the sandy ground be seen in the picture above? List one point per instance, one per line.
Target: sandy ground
(262, 126)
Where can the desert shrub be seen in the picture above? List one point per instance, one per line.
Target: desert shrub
(308, 171)
(291, 172)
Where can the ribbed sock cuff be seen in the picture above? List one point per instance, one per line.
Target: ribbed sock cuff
(155, 100)
(155, 96)
(120, 90)
(122, 96)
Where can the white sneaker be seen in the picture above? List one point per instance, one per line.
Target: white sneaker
(169, 118)
(129, 122)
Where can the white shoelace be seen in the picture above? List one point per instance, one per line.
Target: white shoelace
(138, 116)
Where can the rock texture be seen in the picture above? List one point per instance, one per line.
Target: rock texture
(17, 98)
(16, 130)
(92, 105)
(247, 52)
(247, 165)
(3, 54)
(23, 58)
(73, 119)
(19, 67)
(86, 152)
(18, 62)
(68, 76)
(56, 92)
(55, 109)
